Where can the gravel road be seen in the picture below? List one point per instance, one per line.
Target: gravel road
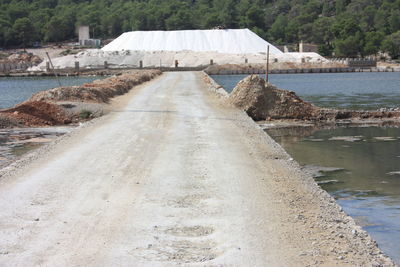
(171, 177)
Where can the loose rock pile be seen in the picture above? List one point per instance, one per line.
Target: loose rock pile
(7, 121)
(22, 58)
(36, 113)
(263, 101)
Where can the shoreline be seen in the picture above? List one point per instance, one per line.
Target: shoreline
(312, 185)
(210, 70)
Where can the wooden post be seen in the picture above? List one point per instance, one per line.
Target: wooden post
(47, 66)
(141, 64)
(267, 66)
(246, 60)
(211, 62)
(105, 64)
(77, 66)
(176, 63)
(54, 71)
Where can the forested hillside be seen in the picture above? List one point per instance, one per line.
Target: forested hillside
(346, 27)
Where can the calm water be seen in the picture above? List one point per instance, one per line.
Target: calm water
(368, 184)
(17, 90)
(16, 142)
(370, 90)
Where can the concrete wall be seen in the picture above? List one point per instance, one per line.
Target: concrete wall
(6, 67)
(83, 32)
(303, 47)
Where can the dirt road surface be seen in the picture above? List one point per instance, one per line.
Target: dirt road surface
(172, 177)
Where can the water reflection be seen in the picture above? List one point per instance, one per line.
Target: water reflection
(16, 142)
(364, 173)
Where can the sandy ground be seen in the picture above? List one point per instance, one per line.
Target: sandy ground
(172, 177)
(41, 52)
(95, 58)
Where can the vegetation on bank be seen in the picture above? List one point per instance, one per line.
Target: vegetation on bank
(345, 27)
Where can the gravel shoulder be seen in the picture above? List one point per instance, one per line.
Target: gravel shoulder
(172, 176)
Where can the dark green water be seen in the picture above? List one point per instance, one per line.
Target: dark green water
(368, 90)
(16, 90)
(368, 186)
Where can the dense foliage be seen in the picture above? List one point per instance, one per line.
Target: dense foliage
(345, 27)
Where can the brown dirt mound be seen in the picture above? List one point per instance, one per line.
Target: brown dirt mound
(7, 122)
(263, 101)
(99, 91)
(36, 113)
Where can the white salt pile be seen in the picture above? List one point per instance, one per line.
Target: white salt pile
(238, 41)
(95, 58)
(192, 48)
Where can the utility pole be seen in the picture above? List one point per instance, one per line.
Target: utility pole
(267, 66)
(54, 71)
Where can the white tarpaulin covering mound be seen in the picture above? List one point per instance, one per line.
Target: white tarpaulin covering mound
(239, 41)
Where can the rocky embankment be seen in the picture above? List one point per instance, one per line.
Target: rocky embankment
(64, 105)
(20, 58)
(251, 67)
(263, 101)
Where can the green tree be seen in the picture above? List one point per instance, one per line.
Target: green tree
(5, 31)
(345, 27)
(381, 21)
(17, 10)
(325, 49)
(340, 6)
(179, 21)
(373, 42)
(292, 31)
(59, 29)
(278, 29)
(394, 20)
(24, 31)
(367, 20)
(321, 30)
(39, 19)
(254, 17)
(348, 46)
(227, 13)
(391, 45)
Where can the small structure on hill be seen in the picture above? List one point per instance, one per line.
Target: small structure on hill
(84, 37)
(304, 47)
(83, 33)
